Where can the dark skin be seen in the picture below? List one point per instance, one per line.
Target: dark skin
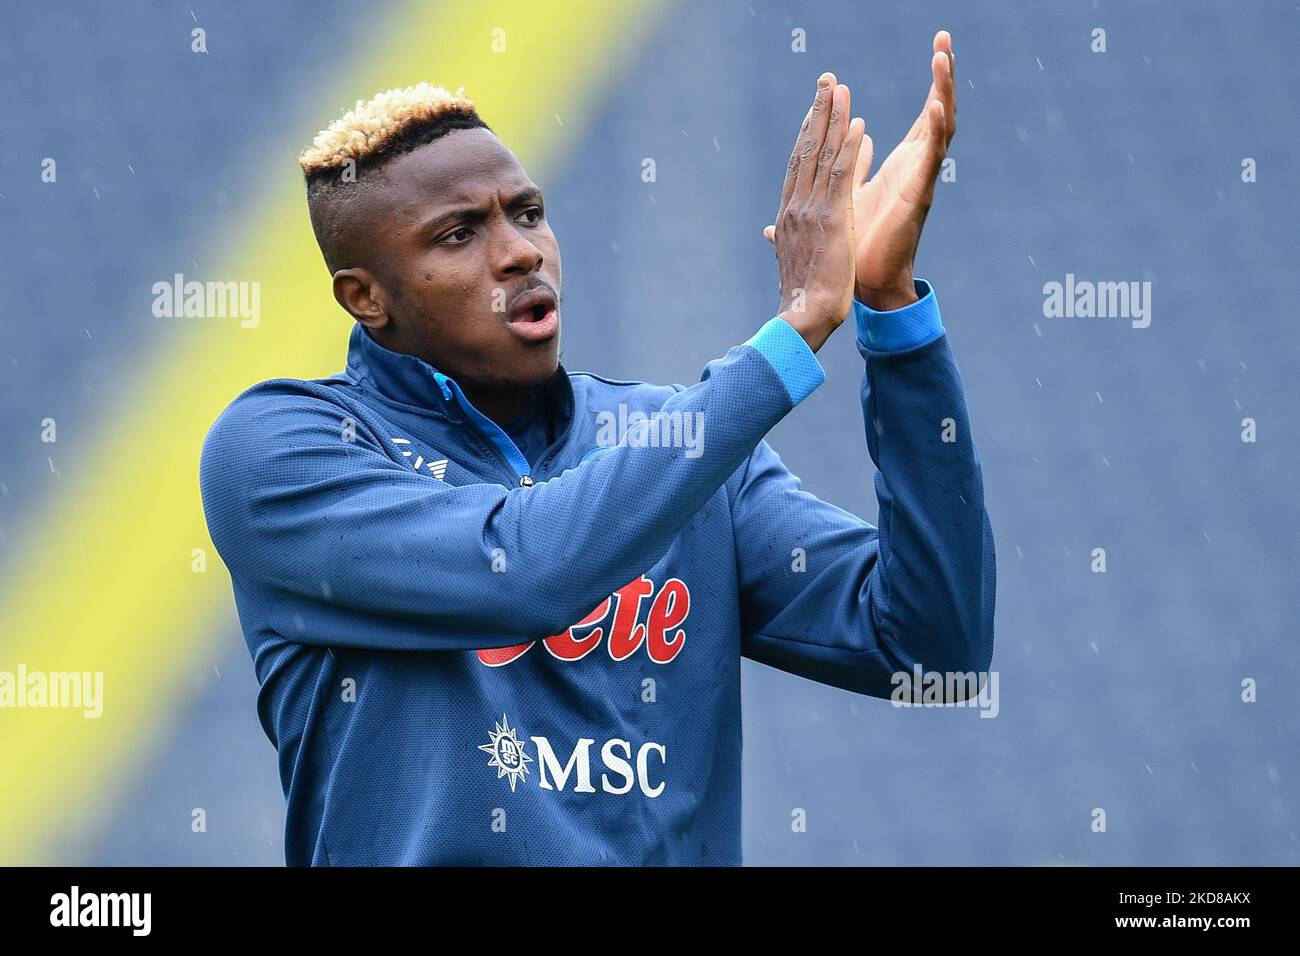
(455, 232)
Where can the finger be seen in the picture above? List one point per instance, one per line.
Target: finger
(840, 178)
(792, 167)
(920, 124)
(814, 137)
(937, 141)
(944, 92)
(863, 171)
(769, 233)
(943, 44)
(837, 128)
(939, 77)
(796, 154)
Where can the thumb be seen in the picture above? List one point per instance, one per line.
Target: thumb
(769, 233)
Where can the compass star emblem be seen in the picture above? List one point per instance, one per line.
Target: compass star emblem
(507, 752)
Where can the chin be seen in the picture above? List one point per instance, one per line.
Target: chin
(538, 367)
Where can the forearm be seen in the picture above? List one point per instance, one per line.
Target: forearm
(935, 575)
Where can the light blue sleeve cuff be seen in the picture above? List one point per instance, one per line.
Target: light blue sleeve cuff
(900, 329)
(789, 354)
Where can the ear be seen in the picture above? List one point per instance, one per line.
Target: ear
(358, 291)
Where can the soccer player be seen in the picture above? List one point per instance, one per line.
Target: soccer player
(497, 609)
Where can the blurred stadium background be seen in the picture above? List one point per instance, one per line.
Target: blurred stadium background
(1119, 690)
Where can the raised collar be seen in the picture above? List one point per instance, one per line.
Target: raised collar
(411, 380)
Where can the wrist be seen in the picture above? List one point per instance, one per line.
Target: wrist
(887, 299)
(814, 333)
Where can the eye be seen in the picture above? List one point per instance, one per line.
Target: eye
(535, 210)
(464, 229)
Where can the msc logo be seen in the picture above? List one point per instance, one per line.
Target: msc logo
(510, 760)
(661, 634)
(507, 752)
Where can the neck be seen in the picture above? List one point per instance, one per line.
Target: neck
(502, 407)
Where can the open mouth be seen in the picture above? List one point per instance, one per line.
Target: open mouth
(535, 316)
(532, 305)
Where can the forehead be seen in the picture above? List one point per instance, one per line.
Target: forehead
(464, 167)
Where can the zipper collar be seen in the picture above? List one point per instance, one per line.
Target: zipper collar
(411, 380)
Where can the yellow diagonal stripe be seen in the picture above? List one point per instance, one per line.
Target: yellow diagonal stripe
(104, 581)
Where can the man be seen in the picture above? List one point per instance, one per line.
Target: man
(497, 609)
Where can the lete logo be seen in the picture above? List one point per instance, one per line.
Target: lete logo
(661, 634)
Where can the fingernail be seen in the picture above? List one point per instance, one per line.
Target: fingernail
(823, 81)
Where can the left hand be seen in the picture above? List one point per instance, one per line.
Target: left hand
(889, 208)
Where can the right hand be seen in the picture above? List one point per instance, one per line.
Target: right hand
(813, 233)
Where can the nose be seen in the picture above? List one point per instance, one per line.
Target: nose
(514, 252)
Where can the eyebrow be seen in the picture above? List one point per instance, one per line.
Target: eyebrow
(472, 214)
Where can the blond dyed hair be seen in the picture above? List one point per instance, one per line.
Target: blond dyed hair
(378, 127)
